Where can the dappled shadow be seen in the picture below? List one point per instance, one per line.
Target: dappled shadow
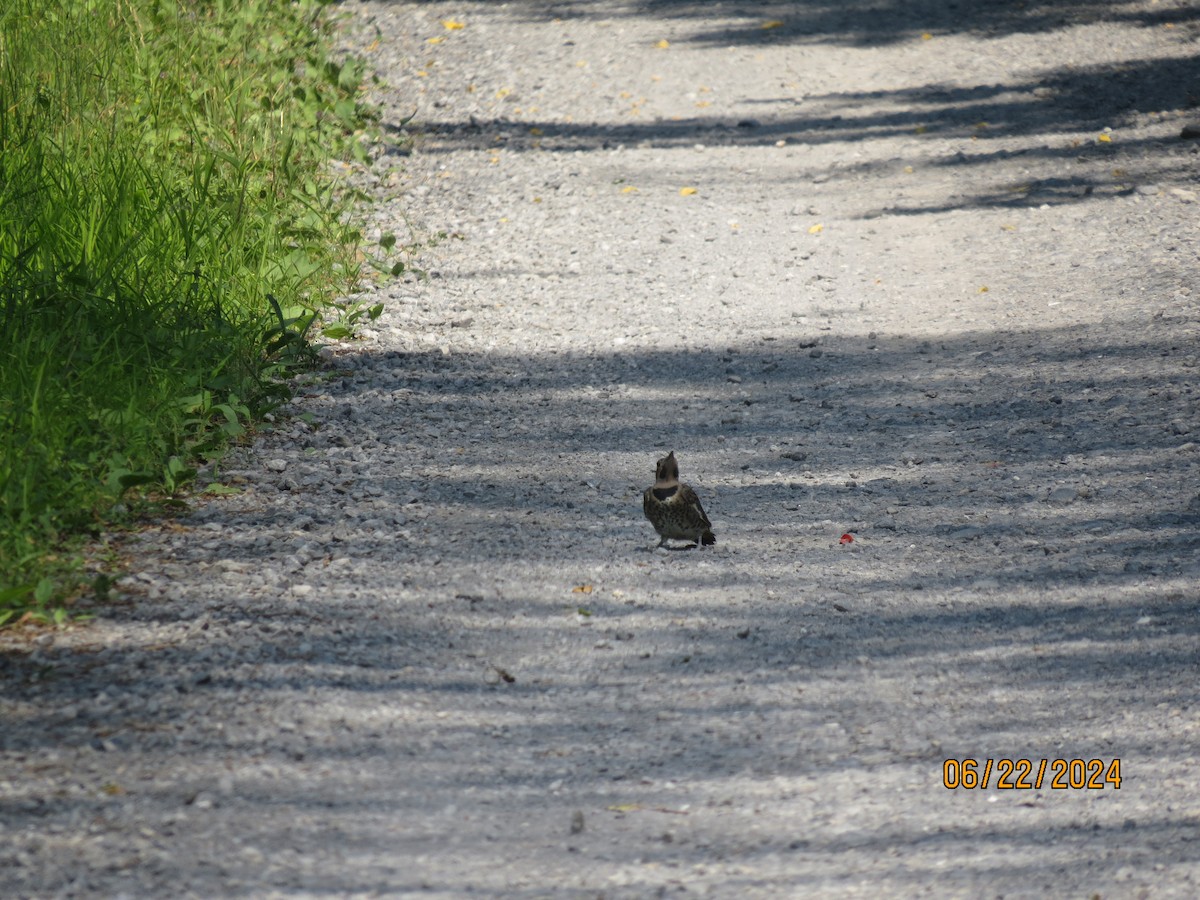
(1014, 440)
(386, 782)
(864, 22)
(1057, 103)
(1051, 119)
(869, 23)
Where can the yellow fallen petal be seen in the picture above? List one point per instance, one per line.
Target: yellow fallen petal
(688, 191)
(663, 44)
(816, 229)
(927, 36)
(434, 40)
(629, 189)
(774, 23)
(536, 132)
(452, 25)
(1104, 139)
(984, 289)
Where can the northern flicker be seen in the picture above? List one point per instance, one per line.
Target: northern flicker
(673, 507)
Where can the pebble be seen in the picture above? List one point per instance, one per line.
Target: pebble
(1062, 495)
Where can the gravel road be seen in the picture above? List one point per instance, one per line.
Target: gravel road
(919, 273)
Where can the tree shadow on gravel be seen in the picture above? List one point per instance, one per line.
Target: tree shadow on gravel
(1028, 444)
(1026, 519)
(865, 22)
(1054, 168)
(1059, 102)
(1043, 116)
(869, 23)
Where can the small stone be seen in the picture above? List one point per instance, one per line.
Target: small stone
(968, 533)
(577, 822)
(201, 800)
(1149, 189)
(276, 465)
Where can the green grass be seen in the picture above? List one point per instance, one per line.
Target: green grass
(167, 238)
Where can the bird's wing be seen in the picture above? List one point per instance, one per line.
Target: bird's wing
(692, 502)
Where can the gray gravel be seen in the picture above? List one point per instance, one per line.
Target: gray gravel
(914, 298)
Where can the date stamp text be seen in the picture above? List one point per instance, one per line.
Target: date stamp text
(1031, 775)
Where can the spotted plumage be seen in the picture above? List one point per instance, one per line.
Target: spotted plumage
(673, 507)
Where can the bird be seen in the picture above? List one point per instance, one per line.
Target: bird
(673, 507)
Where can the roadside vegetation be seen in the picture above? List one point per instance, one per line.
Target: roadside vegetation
(170, 237)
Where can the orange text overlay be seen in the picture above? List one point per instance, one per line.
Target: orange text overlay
(1032, 774)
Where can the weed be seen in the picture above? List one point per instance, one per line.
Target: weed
(162, 185)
